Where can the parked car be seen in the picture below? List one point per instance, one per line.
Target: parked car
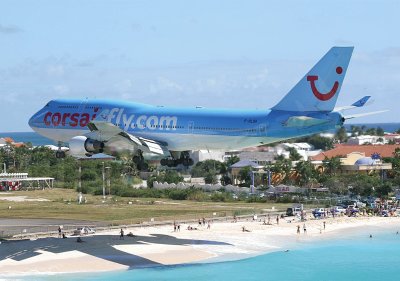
(358, 204)
(338, 210)
(351, 210)
(294, 211)
(84, 230)
(318, 212)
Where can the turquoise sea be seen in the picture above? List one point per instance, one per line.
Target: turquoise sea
(354, 257)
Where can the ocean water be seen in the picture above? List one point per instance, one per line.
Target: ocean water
(354, 257)
(387, 127)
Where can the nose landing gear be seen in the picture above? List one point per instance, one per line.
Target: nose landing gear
(139, 161)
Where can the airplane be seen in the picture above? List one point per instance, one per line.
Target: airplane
(92, 126)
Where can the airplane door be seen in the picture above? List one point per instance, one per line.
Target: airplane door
(262, 129)
(190, 127)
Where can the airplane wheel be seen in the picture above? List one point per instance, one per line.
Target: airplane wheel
(142, 166)
(136, 160)
(60, 154)
(164, 162)
(171, 163)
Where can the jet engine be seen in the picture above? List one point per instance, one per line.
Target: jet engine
(81, 145)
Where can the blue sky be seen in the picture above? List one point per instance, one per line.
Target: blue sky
(210, 53)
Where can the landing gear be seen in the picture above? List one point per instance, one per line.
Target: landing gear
(184, 159)
(60, 154)
(139, 161)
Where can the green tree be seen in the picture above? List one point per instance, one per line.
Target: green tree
(245, 176)
(331, 165)
(383, 190)
(306, 173)
(232, 160)
(380, 131)
(341, 135)
(293, 154)
(318, 142)
(283, 167)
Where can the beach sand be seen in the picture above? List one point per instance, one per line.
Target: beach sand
(160, 245)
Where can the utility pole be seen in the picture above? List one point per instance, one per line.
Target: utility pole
(108, 179)
(104, 188)
(80, 175)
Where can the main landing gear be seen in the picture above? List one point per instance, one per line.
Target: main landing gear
(59, 152)
(139, 161)
(184, 159)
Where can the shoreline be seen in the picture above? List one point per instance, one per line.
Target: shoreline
(155, 246)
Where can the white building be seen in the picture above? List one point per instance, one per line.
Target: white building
(366, 139)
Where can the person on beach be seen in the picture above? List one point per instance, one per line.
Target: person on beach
(304, 228)
(208, 225)
(59, 232)
(269, 220)
(324, 225)
(121, 234)
(298, 229)
(178, 227)
(277, 219)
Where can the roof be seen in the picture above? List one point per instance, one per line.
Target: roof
(245, 163)
(342, 150)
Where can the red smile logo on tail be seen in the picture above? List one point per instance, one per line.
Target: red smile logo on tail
(318, 94)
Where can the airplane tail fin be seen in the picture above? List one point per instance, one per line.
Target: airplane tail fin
(319, 89)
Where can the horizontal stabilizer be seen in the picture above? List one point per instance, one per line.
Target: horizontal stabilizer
(304, 121)
(360, 103)
(364, 114)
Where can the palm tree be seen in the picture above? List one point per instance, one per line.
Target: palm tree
(331, 165)
(306, 173)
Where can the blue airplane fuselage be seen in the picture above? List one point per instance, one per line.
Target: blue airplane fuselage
(180, 129)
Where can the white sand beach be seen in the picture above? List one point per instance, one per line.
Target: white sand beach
(160, 245)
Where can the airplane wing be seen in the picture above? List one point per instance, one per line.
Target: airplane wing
(304, 121)
(109, 133)
(360, 103)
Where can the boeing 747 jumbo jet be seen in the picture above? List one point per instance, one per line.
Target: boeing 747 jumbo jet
(95, 126)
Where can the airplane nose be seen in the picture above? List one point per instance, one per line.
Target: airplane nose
(32, 121)
(35, 120)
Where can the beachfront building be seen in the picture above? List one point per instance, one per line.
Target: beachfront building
(358, 158)
(237, 167)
